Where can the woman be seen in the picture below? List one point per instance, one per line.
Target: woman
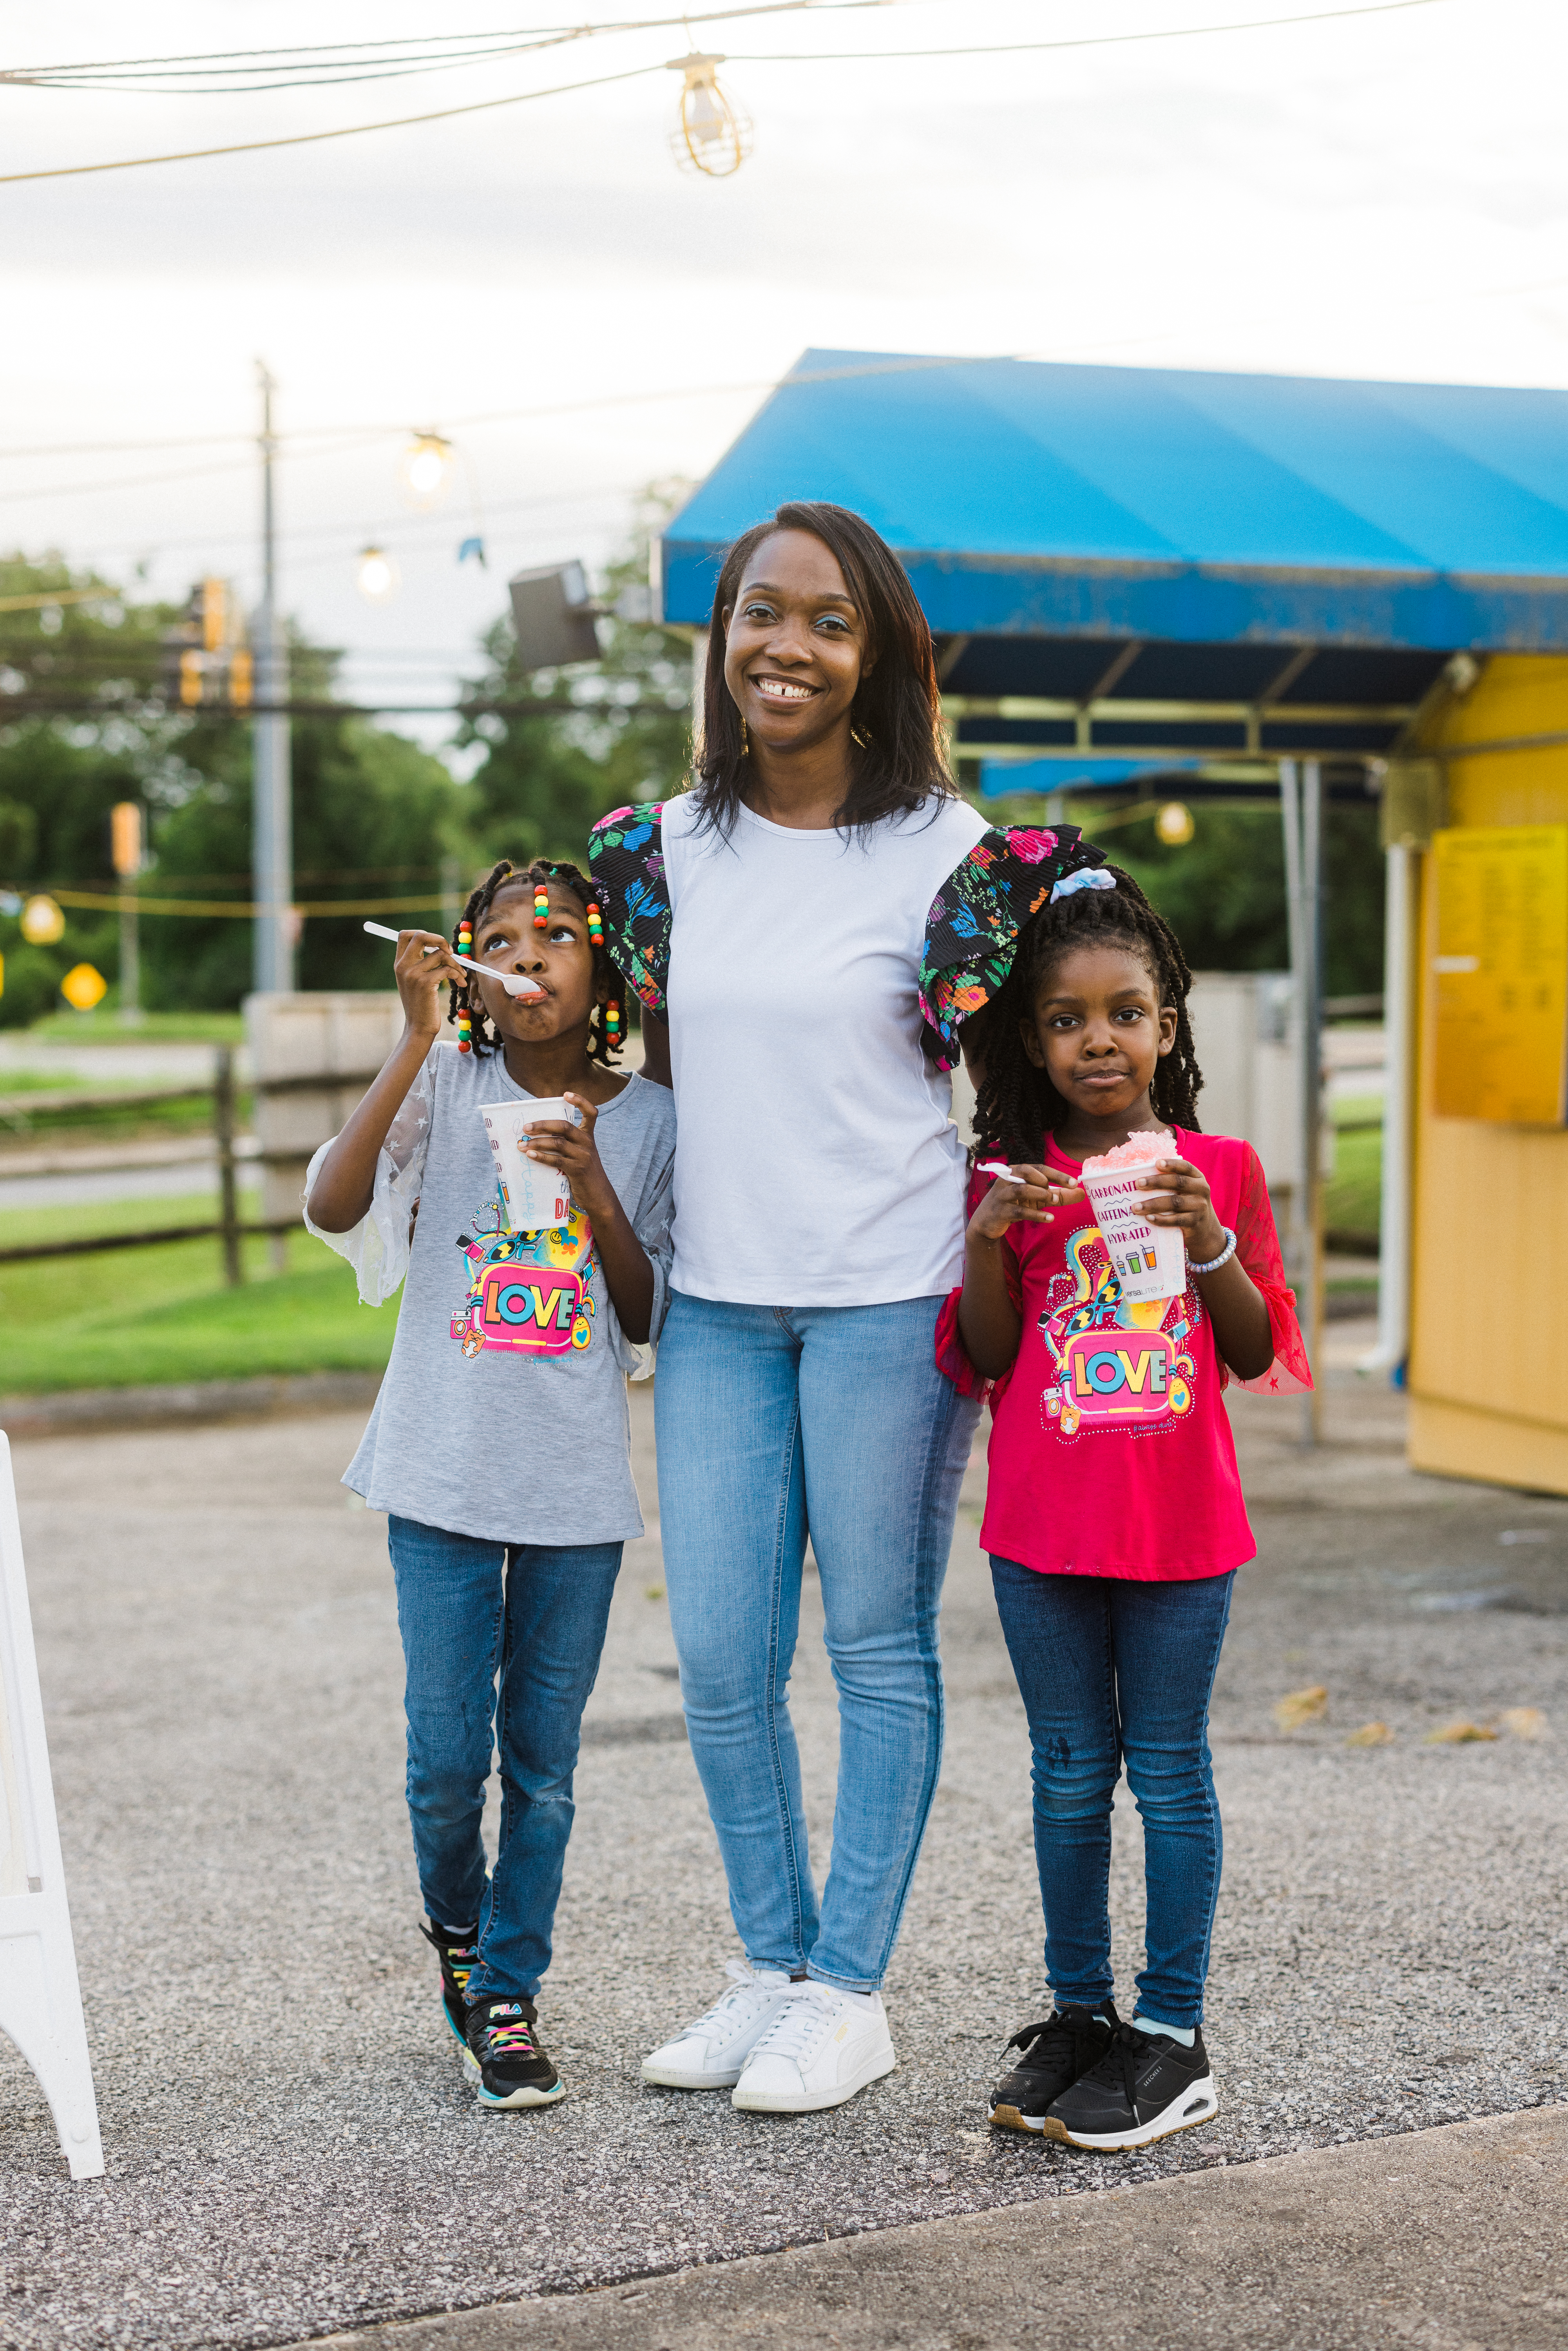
(773, 921)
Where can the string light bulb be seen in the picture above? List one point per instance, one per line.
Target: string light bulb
(1175, 824)
(713, 137)
(377, 577)
(425, 468)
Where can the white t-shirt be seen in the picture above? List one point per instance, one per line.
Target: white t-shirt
(817, 1163)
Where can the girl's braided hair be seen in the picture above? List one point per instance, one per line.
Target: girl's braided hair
(608, 991)
(1017, 1103)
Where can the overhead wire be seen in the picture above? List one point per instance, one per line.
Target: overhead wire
(397, 52)
(636, 73)
(1085, 41)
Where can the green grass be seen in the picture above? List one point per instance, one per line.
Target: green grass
(1354, 1194)
(105, 1027)
(147, 1316)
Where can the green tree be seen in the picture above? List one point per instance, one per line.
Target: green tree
(83, 725)
(546, 776)
(1223, 892)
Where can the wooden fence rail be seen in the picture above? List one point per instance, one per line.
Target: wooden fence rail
(228, 1227)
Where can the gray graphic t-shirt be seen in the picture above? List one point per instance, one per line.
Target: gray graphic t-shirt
(503, 1412)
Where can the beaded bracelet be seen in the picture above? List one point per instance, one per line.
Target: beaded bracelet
(1226, 1254)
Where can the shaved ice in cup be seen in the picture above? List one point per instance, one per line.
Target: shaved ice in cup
(1148, 1261)
(537, 1196)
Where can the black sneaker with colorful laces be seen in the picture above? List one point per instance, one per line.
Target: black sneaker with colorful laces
(1144, 2087)
(1054, 2053)
(459, 1955)
(504, 2051)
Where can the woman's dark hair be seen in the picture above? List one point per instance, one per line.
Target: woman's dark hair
(607, 986)
(900, 751)
(1017, 1103)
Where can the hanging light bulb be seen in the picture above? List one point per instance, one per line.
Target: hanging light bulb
(713, 137)
(425, 468)
(377, 577)
(1175, 824)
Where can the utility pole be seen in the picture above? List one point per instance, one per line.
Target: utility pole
(272, 848)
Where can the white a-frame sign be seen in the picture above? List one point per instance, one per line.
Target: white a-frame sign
(40, 2002)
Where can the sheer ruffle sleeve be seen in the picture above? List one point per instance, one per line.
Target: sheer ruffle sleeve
(377, 1246)
(1258, 1248)
(976, 916)
(626, 860)
(952, 1357)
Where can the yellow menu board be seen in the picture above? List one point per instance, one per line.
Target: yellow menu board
(1502, 973)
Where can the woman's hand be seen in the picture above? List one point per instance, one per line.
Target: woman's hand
(424, 966)
(1174, 1192)
(1027, 1196)
(555, 1144)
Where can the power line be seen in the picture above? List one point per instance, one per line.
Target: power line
(508, 41)
(637, 73)
(1088, 41)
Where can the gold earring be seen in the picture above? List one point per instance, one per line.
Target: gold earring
(744, 741)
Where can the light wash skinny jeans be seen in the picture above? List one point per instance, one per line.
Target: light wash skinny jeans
(501, 1643)
(773, 1420)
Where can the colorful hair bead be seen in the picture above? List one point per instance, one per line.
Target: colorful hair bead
(465, 937)
(464, 1030)
(595, 925)
(612, 1025)
(541, 907)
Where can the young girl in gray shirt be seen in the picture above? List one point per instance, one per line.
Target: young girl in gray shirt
(525, 1338)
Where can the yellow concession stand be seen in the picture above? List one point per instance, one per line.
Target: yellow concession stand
(1477, 832)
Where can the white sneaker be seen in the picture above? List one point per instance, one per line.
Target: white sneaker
(710, 2052)
(821, 2048)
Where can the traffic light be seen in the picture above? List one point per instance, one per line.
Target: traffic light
(206, 662)
(125, 837)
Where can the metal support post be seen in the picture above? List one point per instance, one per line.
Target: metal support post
(272, 850)
(1313, 1204)
(224, 1128)
(1302, 814)
(1401, 869)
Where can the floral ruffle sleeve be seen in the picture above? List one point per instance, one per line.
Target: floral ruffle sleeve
(976, 916)
(626, 860)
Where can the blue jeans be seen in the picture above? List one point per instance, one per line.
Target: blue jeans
(771, 1420)
(1111, 1669)
(502, 1646)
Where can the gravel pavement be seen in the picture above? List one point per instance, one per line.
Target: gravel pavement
(291, 2146)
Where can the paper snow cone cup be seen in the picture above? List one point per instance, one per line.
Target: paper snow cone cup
(537, 1196)
(1148, 1261)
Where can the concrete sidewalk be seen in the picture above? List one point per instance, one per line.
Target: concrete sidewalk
(1453, 2238)
(292, 2148)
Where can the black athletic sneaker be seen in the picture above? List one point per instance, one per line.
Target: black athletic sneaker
(512, 2069)
(1054, 2055)
(1144, 2087)
(459, 1955)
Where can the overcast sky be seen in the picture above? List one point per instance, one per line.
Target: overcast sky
(1378, 195)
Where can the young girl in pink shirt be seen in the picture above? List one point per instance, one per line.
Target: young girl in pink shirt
(1115, 1518)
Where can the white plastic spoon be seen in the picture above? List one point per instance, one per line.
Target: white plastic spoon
(514, 985)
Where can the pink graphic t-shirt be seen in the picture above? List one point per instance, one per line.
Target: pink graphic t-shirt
(1111, 1450)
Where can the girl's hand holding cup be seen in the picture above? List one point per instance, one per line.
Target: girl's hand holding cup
(1026, 1195)
(555, 1144)
(1174, 1192)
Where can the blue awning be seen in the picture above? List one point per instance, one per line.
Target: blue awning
(1054, 507)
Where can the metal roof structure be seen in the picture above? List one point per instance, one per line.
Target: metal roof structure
(1129, 566)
